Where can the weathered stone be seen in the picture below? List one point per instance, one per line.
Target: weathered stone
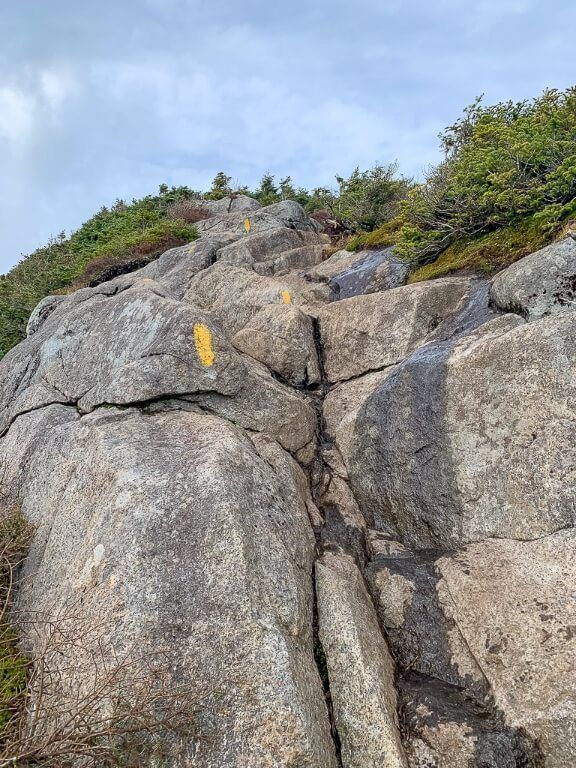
(366, 333)
(265, 405)
(170, 532)
(175, 269)
(133, 346)
(234, 295)
(352, 274)
(360, 668)
(285, 214)
(471, 439)
(448, 714)
(41, 312)
(231, 204)
(296, 258)
(282, 337)
(264, 246)
(513, 604)
(539, 284)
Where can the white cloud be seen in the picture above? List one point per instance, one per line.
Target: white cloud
(16, 115)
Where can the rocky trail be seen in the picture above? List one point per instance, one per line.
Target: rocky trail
(343, 506)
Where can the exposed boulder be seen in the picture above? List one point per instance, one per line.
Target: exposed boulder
(282, 337)
(366, 333)
(231, 204)
(167, 530)
(512, 604)
(132, 346)
(449, 716)
(41, 312)
(263, 247)
(234, 295)
(359, 666)
(285, 214)
(352, 274)
(472, 438)
(539, 284)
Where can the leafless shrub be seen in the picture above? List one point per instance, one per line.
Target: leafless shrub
(74, 699)
(189, 211)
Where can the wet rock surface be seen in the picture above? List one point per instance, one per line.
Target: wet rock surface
(341, 505)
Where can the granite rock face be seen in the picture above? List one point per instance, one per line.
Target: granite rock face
(342, 507)
(540, 284)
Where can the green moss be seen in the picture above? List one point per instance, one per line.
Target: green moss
(497, 250)
(383, 237)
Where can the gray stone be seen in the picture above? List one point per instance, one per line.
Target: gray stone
(231, 204)
(170, 532)
(539, 284)
(513, 604)
(132, 346)
(352, 274)
(366, 333)
(41, 312)
(472, 438)
(234, 295)
(264, 246)
(282, 337)
(360, 668)
(285, 214)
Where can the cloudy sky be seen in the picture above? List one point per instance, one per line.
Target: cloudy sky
(101, 99)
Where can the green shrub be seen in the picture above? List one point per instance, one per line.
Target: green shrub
(124, 234)
(502, 163)
(365, 200)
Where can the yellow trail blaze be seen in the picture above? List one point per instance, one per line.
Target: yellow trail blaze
(203, 342)
(247, 225)
(286, 297)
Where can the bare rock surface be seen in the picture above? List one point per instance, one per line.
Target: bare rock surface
(513, 603)
(362, 272)
(540, 284)
(472, 439)
(209, 557)
(365, 333)
(360, 667)
(282, 337)
(342, 508)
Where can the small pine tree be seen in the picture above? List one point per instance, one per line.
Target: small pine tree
(220, 187)
(267, 193)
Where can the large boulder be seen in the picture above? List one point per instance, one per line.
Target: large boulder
(168, 532)
(352, 274)
(264, 247)
(366, 333)
(539, 284)
(234, 295)
(282, 337)
(449, 716)
(472, 438)
(285, 214)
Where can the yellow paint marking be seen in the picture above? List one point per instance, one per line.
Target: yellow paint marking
(247, 226)
(203, 342)
(286, 297)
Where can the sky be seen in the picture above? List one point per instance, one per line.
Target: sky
(103, 99)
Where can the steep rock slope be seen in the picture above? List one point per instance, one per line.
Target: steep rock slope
(341, 506)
